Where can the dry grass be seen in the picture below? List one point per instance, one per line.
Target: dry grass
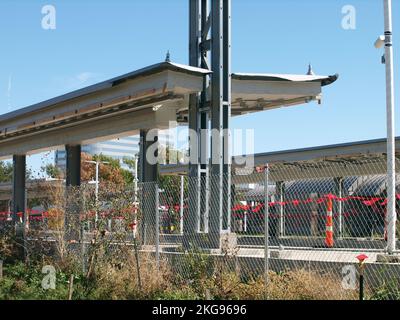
(290, 285)
(119, 281)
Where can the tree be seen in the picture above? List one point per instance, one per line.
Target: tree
(110, 172)
(6, 171)
(128, 174)
(52, 171)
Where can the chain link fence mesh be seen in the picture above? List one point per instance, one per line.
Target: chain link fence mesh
(269, 239)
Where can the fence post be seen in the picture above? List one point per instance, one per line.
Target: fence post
(266, 229)
(157, 202)
(339, 206)
(181, 205)
(1, 269)
(280, 191)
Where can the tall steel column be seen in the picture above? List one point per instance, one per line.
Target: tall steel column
(210, 33)
(19, 193)
(73, 167)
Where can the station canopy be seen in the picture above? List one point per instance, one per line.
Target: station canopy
(148, 98)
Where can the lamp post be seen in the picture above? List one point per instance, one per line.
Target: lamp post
(386, 40)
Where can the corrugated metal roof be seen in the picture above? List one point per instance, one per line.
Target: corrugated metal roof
(374, 186)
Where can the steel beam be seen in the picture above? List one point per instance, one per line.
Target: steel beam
(191, 223)
(220, 114)
(226, 116)
(209, 186)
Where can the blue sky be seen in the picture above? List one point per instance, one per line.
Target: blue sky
(96, 40)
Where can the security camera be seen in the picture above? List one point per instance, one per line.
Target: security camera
(157, 107)
(380, 42)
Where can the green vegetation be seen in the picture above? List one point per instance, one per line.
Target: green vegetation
(6, 171)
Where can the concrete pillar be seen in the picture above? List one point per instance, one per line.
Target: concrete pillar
(73, 230)
(73, 165)
(148, 169)
(19, 196)
(148, 172)
(19, 176)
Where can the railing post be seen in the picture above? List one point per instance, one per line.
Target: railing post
(157, 212)
(339, 206)
(280, 191)
(181, 205)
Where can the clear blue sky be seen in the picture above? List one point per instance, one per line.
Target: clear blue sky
(96, 40)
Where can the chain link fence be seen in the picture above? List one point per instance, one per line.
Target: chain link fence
(289, 231)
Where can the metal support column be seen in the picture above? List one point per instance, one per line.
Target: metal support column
(220, 114)
(19, 195)
(209, 186)
(19, 175)
(226, 115)
(74, 230)
(148, 178)
(73, 165)
(191, 224)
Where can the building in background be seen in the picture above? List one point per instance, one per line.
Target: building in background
(118, 149)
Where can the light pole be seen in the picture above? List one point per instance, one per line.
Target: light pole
(391, 173)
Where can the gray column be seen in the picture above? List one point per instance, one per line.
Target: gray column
(148, 173)
(148, 170)
(73, 226)
(197, 121)
(226, 115)
(73, 168)
(217, 125)
(19, 193)
(19, 201)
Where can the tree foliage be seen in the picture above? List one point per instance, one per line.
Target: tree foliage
(6, 171)
(109, 170)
